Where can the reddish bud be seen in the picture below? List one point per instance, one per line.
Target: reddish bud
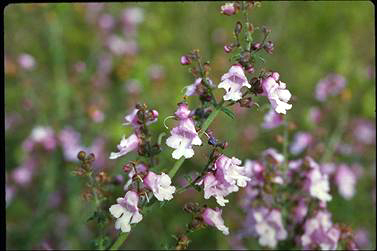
(185, 60)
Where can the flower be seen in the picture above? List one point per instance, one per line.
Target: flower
(228, 176)
(319, 186)
(126, 146)
(232, 82)
(213, 218)
(331, 85)
(272, 120)
(276, 93)
(228, 9)
(184, 136)
(320, 232)
(193, 89)
(185, 60)
(269, 226)
(160, 185)
(301, 140)
(26, 61)
(133, 120)
(345, 179)
(214, 187)
(126, 211)
(273, 155)
(229, 170)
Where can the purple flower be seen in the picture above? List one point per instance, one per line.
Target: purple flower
(184, 136)
(318, 183)
(315, 115)
(160, 185)
(139, 169)
(228, 176)
(228, 9)
(269, 226)
(70, 140)
(331, 85)
(276, 93)
(26, 61)
(320, 232)
(126, 211)
(120, 47)
(106, 22)
(364, 131)
(273, 155)
(300, 211)
(23, 174)
(213, 218)
(361, 238)
(232, 82)
(133, 120)
(126, 145)
(272, 120)
(193, 89)
(345, 179)
(228, 48)
(301, 141)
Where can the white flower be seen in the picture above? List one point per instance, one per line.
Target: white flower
(276, 93)
(232, 82)
(213, 218)
(126, 211)
(319, 185)
(160, 185)
(126, 146)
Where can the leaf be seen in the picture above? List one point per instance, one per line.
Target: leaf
(228, 112)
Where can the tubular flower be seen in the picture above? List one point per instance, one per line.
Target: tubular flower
(126, 145)
(126, 211)
(319, 186)
(272, 120)
(213, 218)
(193, 89)
(160, 185)
(184, 136)
(276, 93)
(232, 82)
(228, 9)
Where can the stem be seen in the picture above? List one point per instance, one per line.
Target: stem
(285, 144)
(123, 236)
(336, 136)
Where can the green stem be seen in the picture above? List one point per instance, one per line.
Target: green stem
(121, 238)
(336, 136)
(285, 144)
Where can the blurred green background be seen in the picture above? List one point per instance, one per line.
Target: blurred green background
(79, 82)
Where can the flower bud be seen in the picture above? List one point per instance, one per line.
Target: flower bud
(245, 102)
(250, 27)
(255, 46)
(228, 48)
(269, 47)
(250, 69)
(81, 155)
(191, 207)
(238, 28)
(91, 157)
(185, 60)
(266, 30)
(228, 9)
(128, 167)
(212, 141)
(224, 145)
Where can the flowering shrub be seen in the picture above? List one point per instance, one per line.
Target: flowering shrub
(271, 199)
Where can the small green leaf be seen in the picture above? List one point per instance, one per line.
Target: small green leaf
(228, 112)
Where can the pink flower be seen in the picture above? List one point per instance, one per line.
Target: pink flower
(26, 61)
(213, 218)
(272, 154)
(320, 232)
(318, 183)
(216, 188)
(160, 185)
(192, 89)
(184, 136)
(229, 170)
(345, 179)
(332, 85)
(126, 211)
(276, 93)
(301, 141)
(228, 176)
(269, 226)
(126, 146)
(133, 120)
(232, 82)
(315, 115)
(272, 120)
(106, 22)
(228, 9)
